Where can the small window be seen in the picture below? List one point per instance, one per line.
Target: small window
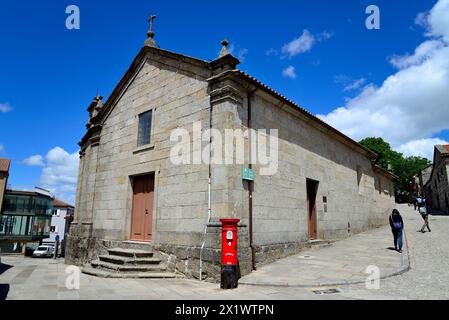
(324, 199)
(55, 212)
(53, 229)
(144, 135)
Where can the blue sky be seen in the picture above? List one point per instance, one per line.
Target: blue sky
(49, 74)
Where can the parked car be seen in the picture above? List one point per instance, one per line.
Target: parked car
(44, 251)
(29, 249)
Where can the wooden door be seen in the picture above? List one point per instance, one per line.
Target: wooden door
(312, 188)
(142, 210)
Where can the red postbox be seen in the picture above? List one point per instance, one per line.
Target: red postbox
(229, 254)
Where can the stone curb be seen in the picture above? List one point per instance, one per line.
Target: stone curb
(405, 266)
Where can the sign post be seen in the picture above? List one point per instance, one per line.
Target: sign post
(56, 245)
(248, 174)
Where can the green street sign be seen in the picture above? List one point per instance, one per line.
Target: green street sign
(248, 174)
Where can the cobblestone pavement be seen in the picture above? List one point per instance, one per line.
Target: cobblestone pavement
(37, 279)
(27, 278)
(428, 277)
(344, 261)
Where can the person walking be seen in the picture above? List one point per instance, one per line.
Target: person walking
(397, 227)
(419, 202)
(425, 215)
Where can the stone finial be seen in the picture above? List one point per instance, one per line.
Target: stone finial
(94, 108)
(225, 60)
(150, 42)
(224, 49)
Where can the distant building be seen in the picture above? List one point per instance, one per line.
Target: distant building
(62, 213)
(4, 173)
(24, 215)
(421, 179)
(437, 187)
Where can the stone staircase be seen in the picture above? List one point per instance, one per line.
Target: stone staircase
(128, 263)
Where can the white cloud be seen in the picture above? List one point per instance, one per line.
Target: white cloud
(421, 147)
(438, 20)
(239, 54)
(299, 45)
(349, 83)
(411, 104)
(5, 107)
(302, 44)
(34, 161)
(324, 36)
(59, 173)
(421, 19)
(354, 85)
(423, 52)
(272, 51)
(2, 148)
(289, 72)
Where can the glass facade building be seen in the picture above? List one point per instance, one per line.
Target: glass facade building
(25, 216)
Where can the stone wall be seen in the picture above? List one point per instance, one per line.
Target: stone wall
(439, 183)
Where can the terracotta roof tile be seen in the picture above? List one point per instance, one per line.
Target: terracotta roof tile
(4, 165)
(60, 203)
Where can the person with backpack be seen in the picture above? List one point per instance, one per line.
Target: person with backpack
(425, 215)
(419, 202)
(397, 227)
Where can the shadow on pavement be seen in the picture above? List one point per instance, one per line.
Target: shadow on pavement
(439, 214)
(4, 289)
(4, 267)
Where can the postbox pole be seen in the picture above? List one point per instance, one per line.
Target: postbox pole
(229, 254)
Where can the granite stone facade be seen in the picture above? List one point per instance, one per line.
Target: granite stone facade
(352, 195)
(437, 186)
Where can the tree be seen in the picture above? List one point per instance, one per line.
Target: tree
(403, 167)
(386, 156)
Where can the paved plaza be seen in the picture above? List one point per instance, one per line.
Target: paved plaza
(291, 278)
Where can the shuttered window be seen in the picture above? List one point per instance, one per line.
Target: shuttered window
(144, 136)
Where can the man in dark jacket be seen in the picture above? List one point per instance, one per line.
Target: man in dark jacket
(397, 227)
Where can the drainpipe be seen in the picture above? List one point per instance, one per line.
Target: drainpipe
(250, 184)
(209, 210)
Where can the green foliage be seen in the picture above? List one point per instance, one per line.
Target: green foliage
(403, 167)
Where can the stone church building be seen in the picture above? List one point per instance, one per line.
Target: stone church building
(131, 195)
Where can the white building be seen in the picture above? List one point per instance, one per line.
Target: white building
(61, 213)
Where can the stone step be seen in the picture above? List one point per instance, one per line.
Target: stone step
(127, 268)
(130, 253)
(143, 275)
(318, 244)
(121, 260)
(138, 245)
